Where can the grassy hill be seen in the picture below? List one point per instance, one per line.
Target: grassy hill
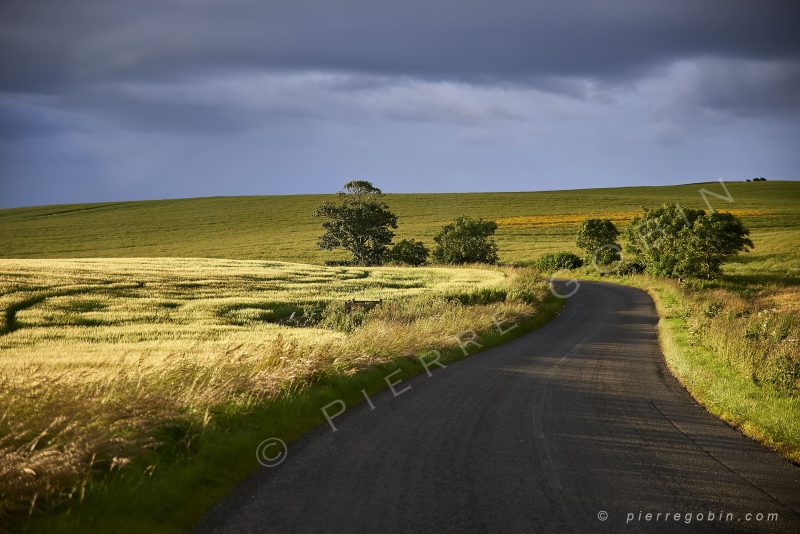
(281, 228)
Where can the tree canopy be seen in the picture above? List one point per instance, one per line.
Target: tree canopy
(359, 221)
(682, 242)
(598, 237)
(712, 239)
(557, 261)
(409, 252)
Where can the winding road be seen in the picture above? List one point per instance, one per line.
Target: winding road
(577, 426)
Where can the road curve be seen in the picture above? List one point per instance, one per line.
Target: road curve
(573, 427)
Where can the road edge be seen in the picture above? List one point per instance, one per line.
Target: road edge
(685, 368)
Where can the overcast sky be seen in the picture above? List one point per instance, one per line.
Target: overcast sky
(112, 100)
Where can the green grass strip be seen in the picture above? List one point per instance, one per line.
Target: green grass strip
(758, 410)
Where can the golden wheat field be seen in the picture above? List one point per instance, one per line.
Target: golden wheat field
(70, 314)
(99, 355)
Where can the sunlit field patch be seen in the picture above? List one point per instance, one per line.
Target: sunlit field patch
(67, 314)
(787, 300)
(577, 218)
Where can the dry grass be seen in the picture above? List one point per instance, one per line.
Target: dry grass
(786, 300)
(101, 359)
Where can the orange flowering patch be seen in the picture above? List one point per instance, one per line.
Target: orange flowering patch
(577, 218)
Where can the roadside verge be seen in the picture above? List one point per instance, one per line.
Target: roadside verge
(756, 408)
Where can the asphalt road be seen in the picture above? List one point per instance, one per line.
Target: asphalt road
(547, 433)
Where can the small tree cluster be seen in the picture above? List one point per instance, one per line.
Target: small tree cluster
(682, 242)
(360, 221)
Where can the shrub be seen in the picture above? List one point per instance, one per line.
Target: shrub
(712, 239)
(466, 240)
(748, 334)
(598, 237)
(556, 261)
(408, 252)
(628, 267)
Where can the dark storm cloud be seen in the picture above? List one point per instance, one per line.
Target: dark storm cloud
(113, 99)
(85, 55)
(750, 88)
(46, 45)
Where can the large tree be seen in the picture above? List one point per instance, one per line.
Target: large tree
(466, 240)
(654, 237)
(712, 239)
(683, 242)
(359, 221)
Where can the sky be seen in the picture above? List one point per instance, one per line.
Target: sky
(143, 99)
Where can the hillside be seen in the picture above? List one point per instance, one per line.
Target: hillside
(281, 228)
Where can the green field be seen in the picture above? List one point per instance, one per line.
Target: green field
(281, 228)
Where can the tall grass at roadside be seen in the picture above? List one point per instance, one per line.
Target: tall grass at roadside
(757, 339)
(754, 335)
(122, 364)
